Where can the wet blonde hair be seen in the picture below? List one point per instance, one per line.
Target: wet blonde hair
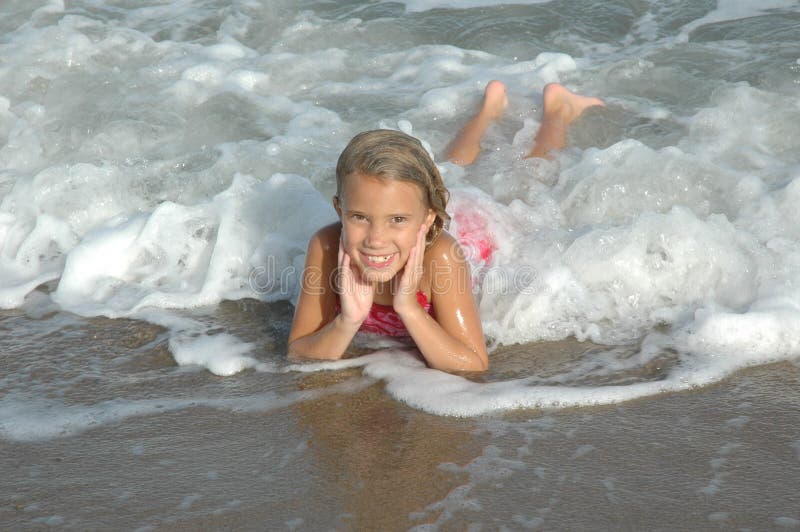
(390, 154)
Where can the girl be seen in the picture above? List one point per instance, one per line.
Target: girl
(387, 267)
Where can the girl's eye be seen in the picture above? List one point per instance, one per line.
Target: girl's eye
(358, 217)
(399, 219)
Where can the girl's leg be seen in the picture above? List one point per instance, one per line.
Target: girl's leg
(467, 145)
(560, 108)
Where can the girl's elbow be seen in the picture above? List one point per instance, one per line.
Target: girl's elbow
(474, 363)
(476, 367)
(477, 360)
(480, 358)
(296, 353)
(481, 364)
(294, 356)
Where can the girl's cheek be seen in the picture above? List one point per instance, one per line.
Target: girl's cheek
(349, 241)
(410, 241)
(346, 236)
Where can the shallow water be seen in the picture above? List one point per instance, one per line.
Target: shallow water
(162, 167)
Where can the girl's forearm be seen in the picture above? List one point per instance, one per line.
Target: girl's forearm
(439, 348)
(328, 343)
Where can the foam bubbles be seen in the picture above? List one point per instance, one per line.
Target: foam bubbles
(221, 354)
(27, 418)
(629, 178)
(753, 337)
(787, 522)
(185, 256)
(611, 285)
(244, 242)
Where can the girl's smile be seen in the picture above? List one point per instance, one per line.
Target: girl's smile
(378, 261)
(380, 220)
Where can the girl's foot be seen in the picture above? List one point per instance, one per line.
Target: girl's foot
(560, 108)
(562, 103)
(494, 100)
(467, 145)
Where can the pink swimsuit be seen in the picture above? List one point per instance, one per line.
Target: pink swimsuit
(472, 232)
(383, 320)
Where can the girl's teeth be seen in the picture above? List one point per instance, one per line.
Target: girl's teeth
(380, 259)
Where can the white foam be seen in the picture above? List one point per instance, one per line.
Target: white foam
(248, 241)
(29, 418)
(30, 255)
(221, 354)
(749, 338)
(409, 380)
(611, 285)
(629, 178)
(188, 501)
(181, 256)
(788, 522)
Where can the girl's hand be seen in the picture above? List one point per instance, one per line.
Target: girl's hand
(405, 293)
(355, 294)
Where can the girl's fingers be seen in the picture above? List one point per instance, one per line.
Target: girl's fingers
(413, 269)
(419, 250)
(409, 272)
(345, 275)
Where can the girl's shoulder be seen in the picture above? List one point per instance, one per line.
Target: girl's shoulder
(323, 247)
(445, 249)
(328, 237)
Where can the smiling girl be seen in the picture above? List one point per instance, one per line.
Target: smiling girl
(387, 267)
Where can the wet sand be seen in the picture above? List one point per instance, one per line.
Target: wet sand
(722, 457)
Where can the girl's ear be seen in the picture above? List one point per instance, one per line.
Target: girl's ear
(337, 206)
(430, 218)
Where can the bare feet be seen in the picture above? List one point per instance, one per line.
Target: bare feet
(560, 108)
(466, 147)
(566, 105)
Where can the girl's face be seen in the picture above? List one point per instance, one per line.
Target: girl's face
(380, 220)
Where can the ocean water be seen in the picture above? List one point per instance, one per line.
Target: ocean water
(163, 164)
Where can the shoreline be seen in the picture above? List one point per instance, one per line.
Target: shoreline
(725, 455)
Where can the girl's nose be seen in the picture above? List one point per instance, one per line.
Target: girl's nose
(375, 236)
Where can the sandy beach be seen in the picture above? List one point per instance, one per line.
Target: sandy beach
(722, 457)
